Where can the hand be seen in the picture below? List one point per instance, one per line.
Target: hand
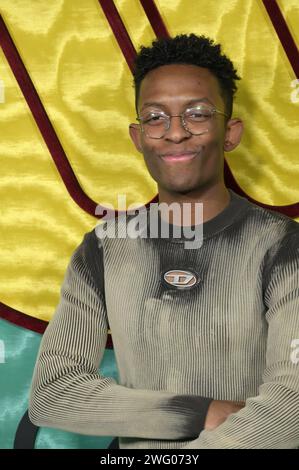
(219, 410)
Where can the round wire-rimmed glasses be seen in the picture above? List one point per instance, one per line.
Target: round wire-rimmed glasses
(155, 124)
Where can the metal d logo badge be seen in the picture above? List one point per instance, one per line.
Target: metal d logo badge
(180, 279)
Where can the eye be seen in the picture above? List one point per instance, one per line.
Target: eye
(198, 114)
(154, 119)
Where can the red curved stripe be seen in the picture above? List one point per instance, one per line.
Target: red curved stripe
(291, 210)
(155, 18)
(43, 122)
(21, 319)
(283, 33)
(119, 31)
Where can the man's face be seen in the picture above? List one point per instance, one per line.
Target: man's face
(181, 162)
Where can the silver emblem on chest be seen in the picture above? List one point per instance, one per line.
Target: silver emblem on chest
(180, 279)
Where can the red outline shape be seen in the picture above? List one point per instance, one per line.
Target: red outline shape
(22, 319)
(155, 18)
(129, 52)
(283, 32)
(43, 122)
(119, 31)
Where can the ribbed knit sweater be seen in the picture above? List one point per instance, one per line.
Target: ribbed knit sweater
(229, 337)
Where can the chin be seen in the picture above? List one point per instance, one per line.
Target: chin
(182, 188)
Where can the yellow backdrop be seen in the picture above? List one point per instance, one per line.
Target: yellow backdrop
(85, 85)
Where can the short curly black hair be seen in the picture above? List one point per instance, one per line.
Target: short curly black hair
(188, 49)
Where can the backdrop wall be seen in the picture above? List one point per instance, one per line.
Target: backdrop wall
(84, 82)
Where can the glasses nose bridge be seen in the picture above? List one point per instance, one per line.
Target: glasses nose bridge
(182, 122)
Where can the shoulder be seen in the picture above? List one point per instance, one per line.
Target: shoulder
(89, 248)
(269, 224)
(280, 237)
(87, 259)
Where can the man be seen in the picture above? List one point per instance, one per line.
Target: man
(197, 332)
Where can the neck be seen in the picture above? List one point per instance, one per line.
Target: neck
(214, 199)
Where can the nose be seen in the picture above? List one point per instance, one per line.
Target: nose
(177, 132)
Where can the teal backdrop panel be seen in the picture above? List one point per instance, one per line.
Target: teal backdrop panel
(18, 352)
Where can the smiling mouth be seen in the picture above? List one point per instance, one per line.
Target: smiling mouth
(178, 157)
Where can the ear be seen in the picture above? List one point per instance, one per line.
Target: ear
(135, 134)
(233, 134)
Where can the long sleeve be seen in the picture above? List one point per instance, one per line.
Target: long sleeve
(271, 419)
(67, 390)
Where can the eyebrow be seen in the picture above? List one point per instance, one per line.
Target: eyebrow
(193, 101)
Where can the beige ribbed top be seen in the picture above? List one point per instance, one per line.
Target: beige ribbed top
(229, 337)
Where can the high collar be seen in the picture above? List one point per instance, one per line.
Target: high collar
(231, 213)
